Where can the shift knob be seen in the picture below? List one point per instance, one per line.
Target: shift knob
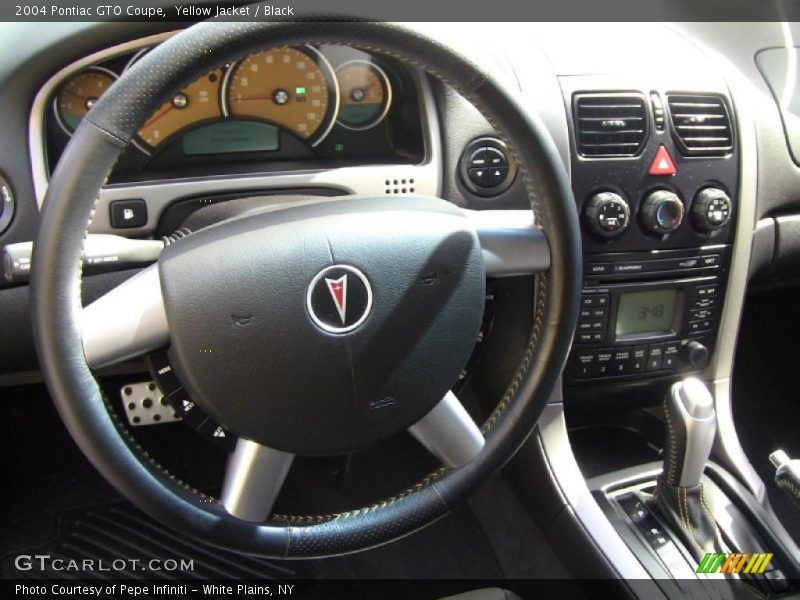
(691, 425)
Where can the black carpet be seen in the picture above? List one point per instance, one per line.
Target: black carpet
(55, 503)
(766, 393)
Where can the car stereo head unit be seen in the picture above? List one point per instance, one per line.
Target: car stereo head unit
(629, 330)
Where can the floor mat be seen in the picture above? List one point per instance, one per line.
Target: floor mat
(766, 397)
(128, 543)
(55, 502)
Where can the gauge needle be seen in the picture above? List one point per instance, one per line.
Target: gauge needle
(254, 98)
(158, 115)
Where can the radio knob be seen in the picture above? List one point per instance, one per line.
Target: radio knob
(696, 354)
(662, 212)
(607, 214)
(711, 209)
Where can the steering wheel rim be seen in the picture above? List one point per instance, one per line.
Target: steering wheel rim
(56, 274)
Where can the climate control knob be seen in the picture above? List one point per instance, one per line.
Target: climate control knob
(696, 354)
(662, 212)
(711, 209)
(607, 214)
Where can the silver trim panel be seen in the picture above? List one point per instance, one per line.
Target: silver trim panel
(449, 433)
(511, 242)
(128, 321)
(253, 479)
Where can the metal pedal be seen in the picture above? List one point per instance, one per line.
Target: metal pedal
(145, 405)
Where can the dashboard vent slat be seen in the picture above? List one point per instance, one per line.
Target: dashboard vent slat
(610, 125)
(701, 124)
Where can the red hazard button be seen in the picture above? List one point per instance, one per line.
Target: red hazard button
(662, 163)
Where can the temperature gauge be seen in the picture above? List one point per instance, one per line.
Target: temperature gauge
(365, 94)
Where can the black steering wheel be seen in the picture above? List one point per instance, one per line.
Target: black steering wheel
(317, 329)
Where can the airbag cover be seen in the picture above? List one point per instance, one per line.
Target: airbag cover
(248, 351)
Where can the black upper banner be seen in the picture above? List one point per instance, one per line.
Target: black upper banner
(407, 10)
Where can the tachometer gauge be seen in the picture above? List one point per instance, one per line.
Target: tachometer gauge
(293, 88)
(195, 104)
(79, 94)
(365, 93)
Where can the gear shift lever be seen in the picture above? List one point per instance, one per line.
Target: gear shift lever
(691, 425)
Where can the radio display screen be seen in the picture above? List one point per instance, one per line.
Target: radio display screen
(640, 314)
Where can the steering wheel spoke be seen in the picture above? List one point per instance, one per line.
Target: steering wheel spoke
(128, 321)
(449, 433)
(253, 479)
(511, 242)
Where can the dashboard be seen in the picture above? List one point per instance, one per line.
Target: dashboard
(330, 120)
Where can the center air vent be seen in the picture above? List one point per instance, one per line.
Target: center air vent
(610, 125)
(701, 124)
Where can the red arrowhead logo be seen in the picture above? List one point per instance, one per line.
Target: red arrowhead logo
(338, 290)
(662, 163)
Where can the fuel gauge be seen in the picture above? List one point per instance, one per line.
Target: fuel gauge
(79, 94)
(365, 94)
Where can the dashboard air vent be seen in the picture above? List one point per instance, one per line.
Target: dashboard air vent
(701, 124)
(610, 125)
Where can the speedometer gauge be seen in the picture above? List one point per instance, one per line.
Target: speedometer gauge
(293, 88)
(79, 94)
(366, 94)
(196, 103)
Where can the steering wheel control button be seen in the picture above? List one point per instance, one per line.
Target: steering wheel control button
(339, 299)
(607, 214)
(711, 209)
(6, 204)
(128, 214)
(662, 212)
(662, 163)
(486, 168)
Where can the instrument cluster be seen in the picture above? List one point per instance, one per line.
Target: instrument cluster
(289, 103)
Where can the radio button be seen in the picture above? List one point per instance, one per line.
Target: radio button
(622, 362)
(672, 351)
(708, 290)
(593, 313)
(701, 314)
(703, 302)
(584, 326)
(599, 325)
(585, 338)
(604, 358)
(638, 359)
(688, 263)
(655, 357)
(710, 261)
(599, 337)
(696, 326)
(598, 269)
(595, 300)
(584, 365)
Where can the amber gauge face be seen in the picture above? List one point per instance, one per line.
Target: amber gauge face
(365, 94)
(293, 88)
(197, 103)
(79, 94)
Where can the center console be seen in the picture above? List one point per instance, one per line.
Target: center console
(655, 175)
